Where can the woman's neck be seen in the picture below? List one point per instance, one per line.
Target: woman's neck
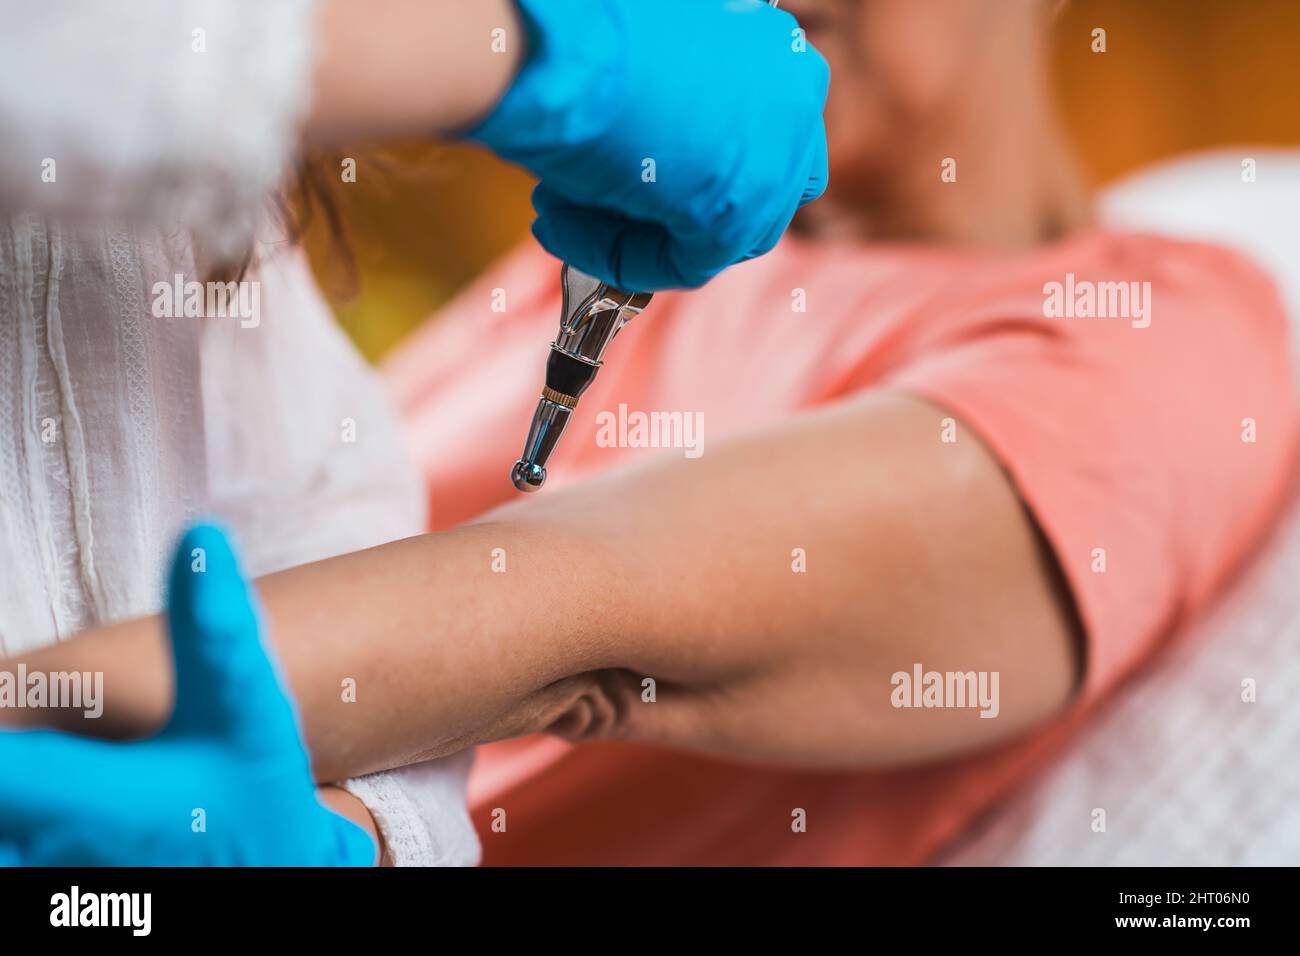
(1012, 182)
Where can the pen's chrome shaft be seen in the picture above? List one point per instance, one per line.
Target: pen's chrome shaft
(593, 312)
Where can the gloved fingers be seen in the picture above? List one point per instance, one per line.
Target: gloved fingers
(819, 172)
(571, 231)
(353, 845)
(818, 169)
(635, 256)
(39, 770)
(226, 685)
(781, 224)
(641, 256)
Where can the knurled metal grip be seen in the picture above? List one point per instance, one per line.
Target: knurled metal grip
(551, 395)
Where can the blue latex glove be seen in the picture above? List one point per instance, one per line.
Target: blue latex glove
(713, 92)
(231, 757)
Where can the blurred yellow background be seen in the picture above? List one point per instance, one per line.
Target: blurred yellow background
(1178, 75)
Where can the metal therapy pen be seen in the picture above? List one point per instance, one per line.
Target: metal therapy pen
(592, 313)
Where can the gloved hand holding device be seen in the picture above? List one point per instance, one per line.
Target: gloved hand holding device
(672, 138)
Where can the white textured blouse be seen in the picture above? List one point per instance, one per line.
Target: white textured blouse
(129, 130)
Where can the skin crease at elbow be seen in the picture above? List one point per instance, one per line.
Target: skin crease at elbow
(680, 570)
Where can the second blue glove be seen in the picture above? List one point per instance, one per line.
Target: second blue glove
(227, 782)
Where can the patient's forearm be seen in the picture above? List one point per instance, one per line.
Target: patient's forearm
(413, 649)
(685, 572)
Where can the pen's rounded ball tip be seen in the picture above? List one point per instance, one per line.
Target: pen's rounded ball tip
(527, 476)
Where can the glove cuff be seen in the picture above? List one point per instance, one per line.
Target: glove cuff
(569, 88)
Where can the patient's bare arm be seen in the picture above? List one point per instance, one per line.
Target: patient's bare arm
(684, 572)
